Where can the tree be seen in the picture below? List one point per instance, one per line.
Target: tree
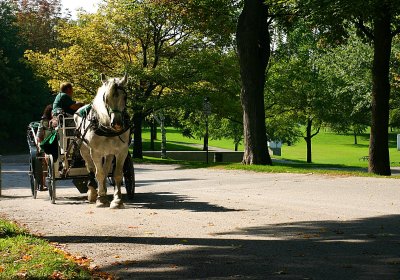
(351, 93)
(37, 21)
(378, 22)
(253, 44)
(220, 83)
(296, 96)
(22, 96)
(157, 42)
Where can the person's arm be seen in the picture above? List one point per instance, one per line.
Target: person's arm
(76, 106)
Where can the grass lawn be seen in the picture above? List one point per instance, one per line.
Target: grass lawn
(176, 140)
(332, 148)
(23, 256)
(327, 147)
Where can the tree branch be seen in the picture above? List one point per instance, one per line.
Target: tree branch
(359, 23)
(312, 135)
(395, 32)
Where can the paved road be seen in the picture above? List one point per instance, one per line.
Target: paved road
(217, 224)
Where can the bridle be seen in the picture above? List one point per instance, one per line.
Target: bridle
(113, 110)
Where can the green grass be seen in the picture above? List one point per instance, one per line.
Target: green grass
(332, 153)
(327, 148)
(23, 256)
(332, 148)
(177, 142)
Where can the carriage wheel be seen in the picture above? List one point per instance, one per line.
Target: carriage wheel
(129, 176)
(33, 181)
(50, 179)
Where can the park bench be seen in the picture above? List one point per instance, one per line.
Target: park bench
(364, 158)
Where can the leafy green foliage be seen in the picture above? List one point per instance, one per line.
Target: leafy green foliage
(23, 96)
(346, 72)
(295, 92)
(172, 59)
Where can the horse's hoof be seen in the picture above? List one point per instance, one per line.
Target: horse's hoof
(102, 202)
(92, 195)
(117, 204)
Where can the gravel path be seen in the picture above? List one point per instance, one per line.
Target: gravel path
(210, 223)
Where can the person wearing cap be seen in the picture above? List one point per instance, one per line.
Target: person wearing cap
(64, 102)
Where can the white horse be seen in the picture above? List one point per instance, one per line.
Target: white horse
(105, 136)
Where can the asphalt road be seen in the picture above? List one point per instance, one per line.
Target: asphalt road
(218, 224)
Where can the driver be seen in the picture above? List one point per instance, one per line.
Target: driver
(64, 102)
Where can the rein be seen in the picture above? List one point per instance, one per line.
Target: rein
(107, 131)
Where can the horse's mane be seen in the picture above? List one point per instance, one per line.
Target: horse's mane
(100, 106)
(108, 87)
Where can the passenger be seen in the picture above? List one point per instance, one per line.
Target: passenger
(44, 125)
(44, 130)
(63, 102)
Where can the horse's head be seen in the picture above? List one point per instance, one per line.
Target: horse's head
(114, 98)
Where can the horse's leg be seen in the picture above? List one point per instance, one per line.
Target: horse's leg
(118, 174)
(85, 153)
(101, 174)
(92, 184)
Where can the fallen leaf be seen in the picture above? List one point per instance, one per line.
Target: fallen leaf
(93, 267)
(26, 257)
(57, 275)
(22, 273)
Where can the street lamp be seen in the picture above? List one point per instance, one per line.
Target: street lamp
(207, 112)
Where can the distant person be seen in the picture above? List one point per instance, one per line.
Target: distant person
(63, 103)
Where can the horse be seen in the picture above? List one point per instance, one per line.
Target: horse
(105, 136)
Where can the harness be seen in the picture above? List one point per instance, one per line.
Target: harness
(106, 131)
(89, 113)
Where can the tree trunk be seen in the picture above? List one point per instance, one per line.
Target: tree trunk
(137, 135)
(253, 42)
(379, 147)
(355, 137)
(308, 139)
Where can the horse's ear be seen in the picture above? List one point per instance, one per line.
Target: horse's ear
(103, 78)
(124, 80)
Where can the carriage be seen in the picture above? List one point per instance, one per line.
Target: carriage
(65, 161)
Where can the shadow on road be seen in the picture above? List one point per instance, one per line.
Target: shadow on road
(173, 201)
(359, 249)
(141, 183)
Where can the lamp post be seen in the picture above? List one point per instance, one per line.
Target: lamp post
(207, 112)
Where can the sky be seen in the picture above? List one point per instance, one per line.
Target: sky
(73, 5)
